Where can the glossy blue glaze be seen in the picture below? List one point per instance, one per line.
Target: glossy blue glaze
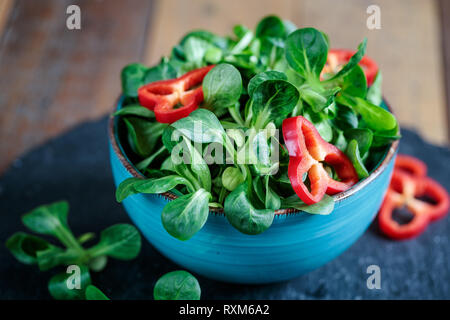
(293, 245)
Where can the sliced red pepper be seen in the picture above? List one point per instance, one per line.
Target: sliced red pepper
(337, 58)
(307, 151)
(411, 165)
(404, 190)
(163, 97)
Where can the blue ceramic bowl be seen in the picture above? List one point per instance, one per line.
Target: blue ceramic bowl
(296, 243)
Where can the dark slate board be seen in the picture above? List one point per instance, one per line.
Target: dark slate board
(75, 166)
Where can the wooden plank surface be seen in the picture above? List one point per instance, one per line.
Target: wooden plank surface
(54, 78)
(444, 8)
(5, 8)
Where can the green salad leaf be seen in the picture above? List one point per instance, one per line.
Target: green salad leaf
(374, 94)
(306, 52)
(355, 157)
(94, 293)
(135, 110)
(257, 80)
(132, 78)
(163, 71)
(143, 134)
(354, 60)
(323, 207)
(243, 216)
(24, 247)
(222, 86)
(273, 101)
(375, 117)
(120, 241)
(186, 215)
(177, 285)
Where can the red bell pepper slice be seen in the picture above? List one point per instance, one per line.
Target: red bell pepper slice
(163, 97)
(404, 190)
(307, 151)
(411, 165)
(338, 57)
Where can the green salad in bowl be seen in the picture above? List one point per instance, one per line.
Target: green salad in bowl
(256, 124)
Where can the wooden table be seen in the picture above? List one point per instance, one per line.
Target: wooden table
(54, 78)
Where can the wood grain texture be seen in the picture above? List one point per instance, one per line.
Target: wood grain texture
(407, 48)
(444, 8)
(55, 77)
(5, 8)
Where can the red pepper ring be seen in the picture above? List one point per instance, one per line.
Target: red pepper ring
(403, 191)
(411, 165)
(307, 151)
(162, 97)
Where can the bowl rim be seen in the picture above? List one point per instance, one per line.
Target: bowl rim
(118, 150)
